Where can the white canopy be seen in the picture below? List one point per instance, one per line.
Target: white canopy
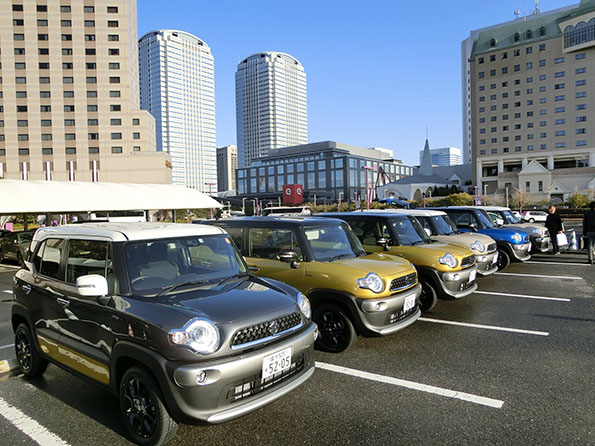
(55, 197)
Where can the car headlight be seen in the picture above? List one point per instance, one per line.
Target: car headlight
(477, 246)
(371, 282)
(448, 260)
(517, 237)
(201, 335)
(304, 305)
(538, 231)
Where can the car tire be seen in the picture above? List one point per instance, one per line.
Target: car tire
(503, 260)
(1, 256)
(428, 297)
(531, 220)
(145, 416)
(30, 360)
(336, 332)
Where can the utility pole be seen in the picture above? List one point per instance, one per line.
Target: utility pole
(507, 196)
(340, 196)
(368, 194)
(211, 195)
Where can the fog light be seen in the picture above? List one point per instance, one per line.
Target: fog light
(381, 306)
(484, 259)
(201, 377)
(455, 276)
(315, 333)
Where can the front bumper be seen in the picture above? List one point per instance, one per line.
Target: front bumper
(487, 263)
(234, 386)
(457, 284)
(540, 243)
(390, 316)
(521, 251)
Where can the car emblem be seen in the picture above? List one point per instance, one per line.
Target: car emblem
(274, 327)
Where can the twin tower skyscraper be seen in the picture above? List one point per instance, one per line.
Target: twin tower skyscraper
(177, 86)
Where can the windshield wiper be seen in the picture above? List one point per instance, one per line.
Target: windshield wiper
(419, 242)
(168, 288)
(339, 256)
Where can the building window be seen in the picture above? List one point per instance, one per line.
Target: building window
(47, 151)
(530, 148)
(135, 135)
(112, 9)
(89, 37)
(135, 121)
(45, 108)
(542, 62)
(46, 136)
(560, 133)
(93, 150)
(67, 51)
(89, 9)
(580, 83)
(93, 136)
(116, 149)
(115, 107)
(64, 8)
(116, 136)
(114, 80)
(92, 94)
(91, 80)
(92, 122)
(527, 186)
(114, 66)
(66, 23)
(68, 80)
(543, 146)
(543, 135)
(581, 106)
(559, 60)
(559, 109)
(115, 121)
(69, 108)
(92, 108)
(46, 122)
(581, 143)
(44, 65)
(90, 51)
(542, 77)
(23, 137)
(560, 97)
(21, 108)
(529, 65)
(540, 186)
(113, 38)
(70, 136)
(23, 152)
(581, 94)
(112, 23)
(66, 65)
(580, 70)
(89, 23)
(114, 94)
(559, 74)
(560, 145)
(558, 121)
(67, 37)
(20, 80)
(517, 68)
(70, 150)
(113, 52)
(21, 94)
(18, 36)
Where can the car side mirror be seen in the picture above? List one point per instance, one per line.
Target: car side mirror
(383, 243)
(30, 266)
(428, 232)
(289, 256)
(473, 227)
(92, 285)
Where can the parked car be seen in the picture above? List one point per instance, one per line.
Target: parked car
(14, 246)
(166, 316)
(441, 229)
(540, 237)
(533, 216)
(446, 271)
(351, 290)
(496, 218)
(288, 211)
(513, 244)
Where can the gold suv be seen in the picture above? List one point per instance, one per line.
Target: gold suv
(351, 291)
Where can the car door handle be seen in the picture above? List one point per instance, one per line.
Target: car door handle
(26, 287)
(254, 269)
(62, 301)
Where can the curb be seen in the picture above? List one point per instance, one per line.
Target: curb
(9, 367)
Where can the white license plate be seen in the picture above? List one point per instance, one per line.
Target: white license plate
(495, 259)
(409, 303)
(472, 275)
(276, 363)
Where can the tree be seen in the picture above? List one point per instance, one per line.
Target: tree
(578, 200)
(460, 199)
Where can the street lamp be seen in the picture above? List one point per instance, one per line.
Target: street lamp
(244, 205)
(368, 194)
(507, 196)
(340, 196)
(210, 195)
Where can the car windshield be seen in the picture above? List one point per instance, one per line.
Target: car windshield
(25, 237)
(509, 218)
(443, 225)
(329, 243)
(484, 220)
(156, 266)
(410, 232)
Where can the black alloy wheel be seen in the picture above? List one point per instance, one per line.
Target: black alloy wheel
(428, 297)
(503, 260)
(145, 416)
(335, 330)
(31, 362)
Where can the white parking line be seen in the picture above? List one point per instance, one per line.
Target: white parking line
(7, 291)
(413, 385)
(29, 426)
(540, 276)
(485, 327)
(557, 263)
(9, 266)
(6, 346)
(525, 296)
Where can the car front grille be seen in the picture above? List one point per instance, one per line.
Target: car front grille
(252, 385)
(404, 281)
(266, 329)
(491, 247)
(467, 261)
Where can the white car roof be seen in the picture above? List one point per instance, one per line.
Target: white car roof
(494, 208)
(128, 231)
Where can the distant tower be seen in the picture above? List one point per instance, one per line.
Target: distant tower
(177, 87)
(425, 167)
(271, 105)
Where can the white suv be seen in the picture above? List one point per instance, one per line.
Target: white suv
(533, 216)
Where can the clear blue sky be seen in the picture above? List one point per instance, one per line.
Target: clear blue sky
(378, 72)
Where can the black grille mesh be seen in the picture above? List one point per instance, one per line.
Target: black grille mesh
(491, 247)
(468, 261)
(262, 330)
(401, 282)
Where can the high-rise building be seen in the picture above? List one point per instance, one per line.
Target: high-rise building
(69, 99)
(531, 103)
(177, 87)
(271, 105)
(227, 164)
(446, 156)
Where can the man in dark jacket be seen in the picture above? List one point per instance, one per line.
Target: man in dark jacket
(589, 231)
(553, 223)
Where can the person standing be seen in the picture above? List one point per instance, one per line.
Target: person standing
(589, 231)
(553, 223)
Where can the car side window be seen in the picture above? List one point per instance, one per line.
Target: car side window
(462, 219)
(236, 235)
(89, 257)
(366, 231)
(266, 243)
(386, 234)
(50, 258)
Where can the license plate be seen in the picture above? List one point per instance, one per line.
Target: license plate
(495, 259)
(276, 363)
(409, 303)
(472, 275)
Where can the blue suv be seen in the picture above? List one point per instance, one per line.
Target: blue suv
(513, 244)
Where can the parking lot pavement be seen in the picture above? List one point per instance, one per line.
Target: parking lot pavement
(432, 383)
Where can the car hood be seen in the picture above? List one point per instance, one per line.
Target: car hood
(466, 239)
(380, 263)
(244, 300)
(505, 234)
(526, 227)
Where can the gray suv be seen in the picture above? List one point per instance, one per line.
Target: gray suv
(166, 316)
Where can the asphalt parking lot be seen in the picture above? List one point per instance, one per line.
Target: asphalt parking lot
(511, 364)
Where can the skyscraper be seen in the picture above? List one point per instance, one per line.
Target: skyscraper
(271, 105)
(177, 87)
(227, 164)
(69, 105)
(530, 103)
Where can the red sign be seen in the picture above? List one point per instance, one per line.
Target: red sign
(293, 194)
